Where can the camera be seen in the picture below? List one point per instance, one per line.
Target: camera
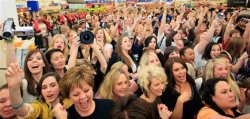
(9, 30)
(122, 18)
(87, 37)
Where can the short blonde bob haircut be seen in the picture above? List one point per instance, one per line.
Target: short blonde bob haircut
(145, 75)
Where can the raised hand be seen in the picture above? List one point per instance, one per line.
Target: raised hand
(14, 75)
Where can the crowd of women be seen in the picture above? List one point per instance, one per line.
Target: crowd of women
(146, 62)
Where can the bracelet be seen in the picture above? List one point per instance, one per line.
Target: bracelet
(18, 106)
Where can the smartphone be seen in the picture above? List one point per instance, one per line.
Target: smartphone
(169, 2)
(220, 16)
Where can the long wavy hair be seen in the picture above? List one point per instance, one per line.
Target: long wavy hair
(28, 75)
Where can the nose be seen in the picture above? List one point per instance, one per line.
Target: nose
(48, 89)
(124, 85)
(231, 94)
(162, 86)
(61, 60)
(82, 96)
(224, 71)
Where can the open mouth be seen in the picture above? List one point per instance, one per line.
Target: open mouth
(84, 104)
(59, 47)
(35, 67)
(50, 95)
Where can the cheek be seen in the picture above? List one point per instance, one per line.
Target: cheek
(43, 92)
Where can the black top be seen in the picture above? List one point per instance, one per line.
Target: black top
(190, 108)
(102, 110)
(116, 58)
(99, 76)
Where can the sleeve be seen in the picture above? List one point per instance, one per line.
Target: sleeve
(159, 38)
(206, 113)
(170, 37)
(114, 58)
(108, 46)
(35, 110)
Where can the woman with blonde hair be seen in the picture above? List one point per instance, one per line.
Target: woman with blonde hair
(149, 57)
(152, 80)
(116, 83)
(60, 42)
(102, 39)
(218, 68)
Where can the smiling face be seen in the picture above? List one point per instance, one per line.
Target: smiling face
(152, 43)
(174, 54)
(72, 35)
(121, 86)
(35, 63)
(179, 72)
(100, 35)
(59, 43)
(223, 96)
(156, 87)
(215, 51)
(188, 56)
(82, 97)
(57, 60)
(6, 111)
(50, 89)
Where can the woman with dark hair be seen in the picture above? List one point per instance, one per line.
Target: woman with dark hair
(211, 51)
(130, 107)
(48, 90)
(35, 65)
(220, 101)
(171, 51)
(122, 53)
(187, 55)
(150, 43)
(57, 60)
(181, 95)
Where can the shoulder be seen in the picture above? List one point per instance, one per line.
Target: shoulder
(103, 102)
(206, 112)
(108, 45)
(67, 103)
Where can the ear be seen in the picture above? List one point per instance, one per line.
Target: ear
(212, 97)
